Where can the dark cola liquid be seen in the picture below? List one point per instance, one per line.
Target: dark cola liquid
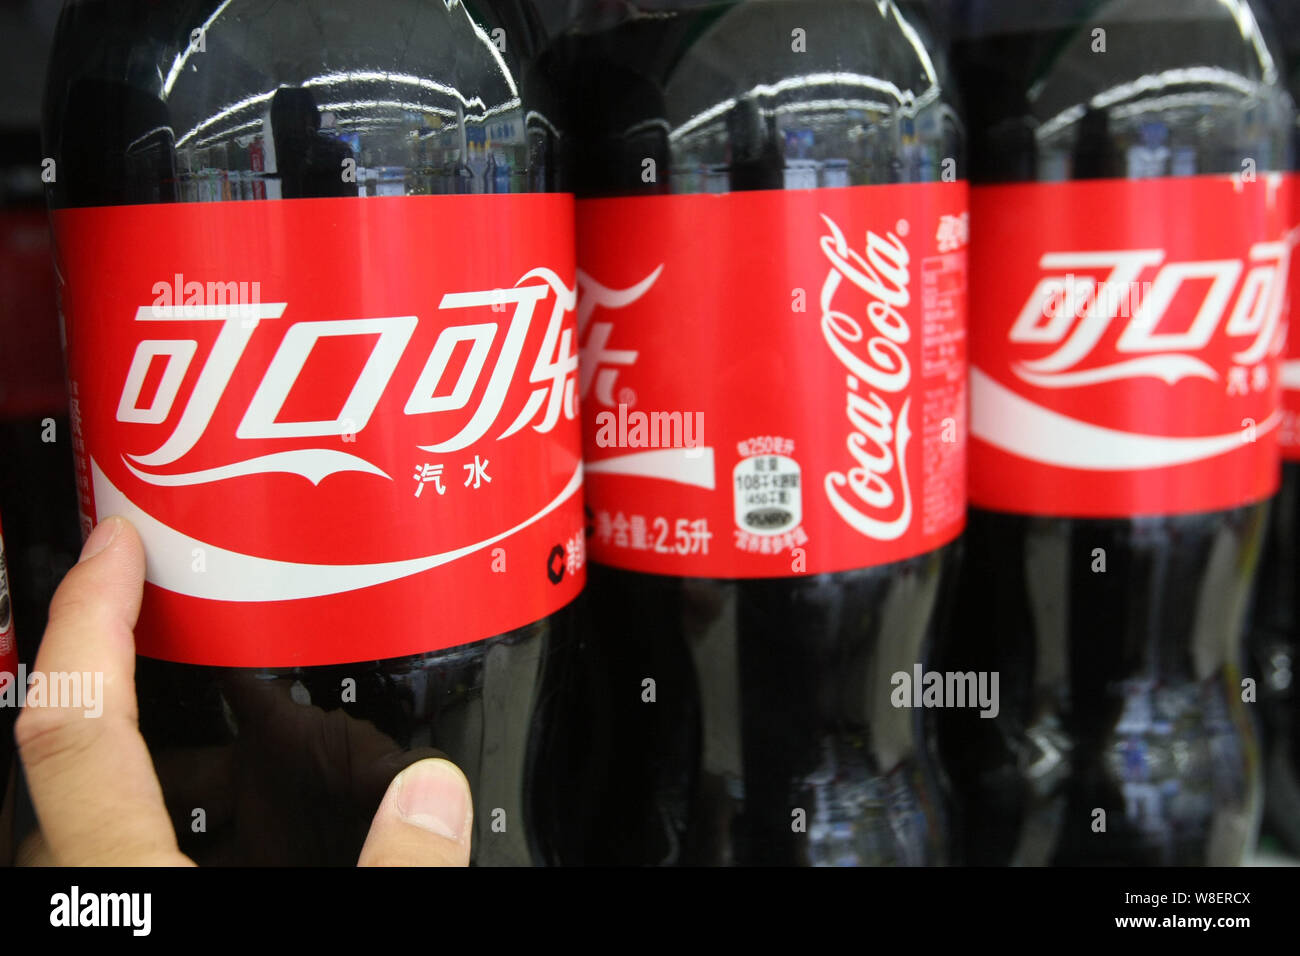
(763, 688)
(1119, 690)
(283, 768)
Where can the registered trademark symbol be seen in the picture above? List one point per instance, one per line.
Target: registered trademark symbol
(626, 396)
(903, 227)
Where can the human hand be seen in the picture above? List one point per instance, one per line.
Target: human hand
(92, 781)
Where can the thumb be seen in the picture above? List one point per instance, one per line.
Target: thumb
(425, 819)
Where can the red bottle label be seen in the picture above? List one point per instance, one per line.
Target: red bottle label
(1126, 344)
(345, 428)
(1289, 434)
(31, 358)
(8, 646)
(774, 382)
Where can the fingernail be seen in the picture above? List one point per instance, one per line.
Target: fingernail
(433, 795)
(100, 538)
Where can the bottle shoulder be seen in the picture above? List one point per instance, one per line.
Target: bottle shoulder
(766, 94)
(1133, 89)
(173, 91)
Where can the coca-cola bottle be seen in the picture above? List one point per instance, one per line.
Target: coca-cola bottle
(332, 383)
(1275, 618)
(1128, 261)
(771, 238)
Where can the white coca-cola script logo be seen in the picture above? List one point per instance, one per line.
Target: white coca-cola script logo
(878, 366)
(553, 371)
(599, 375)
(1074, 310)
(600, 363)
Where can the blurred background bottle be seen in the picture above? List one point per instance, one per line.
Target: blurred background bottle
(1128, 228)
(1275, 619)
(37, 494)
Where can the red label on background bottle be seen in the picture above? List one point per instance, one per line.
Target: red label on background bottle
(773, 382)
(1126, 344)
(8, 645)
(1289, 434)
(345, 428)
(31, 358)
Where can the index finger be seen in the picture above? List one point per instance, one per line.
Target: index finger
(88, 769)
